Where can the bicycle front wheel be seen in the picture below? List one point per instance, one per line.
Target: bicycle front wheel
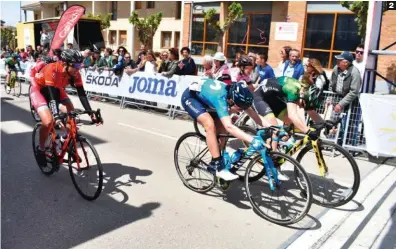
(288, 203)
(50, 151)
(341, 182)
(17, 87)
(191, 158)
(7, 88)
(85, 168)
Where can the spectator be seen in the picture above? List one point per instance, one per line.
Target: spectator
(220, 69)
(187, 65)
(142, 52)
(70, 46)
(142, 61)
(108, 58)
(164, 61)
(99, 61)
(38, 52)
(316, 74)
(285, 54)
(44, 39)
(345, 80)
(30, 52)
(294, 67)
(150, 64)
(119, 65)
(130, 66)
(158, 60)
(264, 71)
(254, 75)
(171, 66)
(238, 56)
(207, 64)
(358, 62)
(88, 62)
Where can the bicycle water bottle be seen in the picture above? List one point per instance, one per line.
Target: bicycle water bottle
(226, 160)
(288, 144)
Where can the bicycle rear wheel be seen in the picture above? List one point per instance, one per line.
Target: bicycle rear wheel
(342, 180)
(191, 158)
(50, 152)
(7, 88)
(286, 198)
(84, 163)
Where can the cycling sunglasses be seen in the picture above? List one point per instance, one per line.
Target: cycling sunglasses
(76, 65)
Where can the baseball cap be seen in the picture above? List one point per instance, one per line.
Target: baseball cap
(345, 56)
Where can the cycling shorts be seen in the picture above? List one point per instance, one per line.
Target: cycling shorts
(39, 96)
(267, 103)
(194, 107)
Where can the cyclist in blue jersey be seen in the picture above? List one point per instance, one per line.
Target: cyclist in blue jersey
(208, 102)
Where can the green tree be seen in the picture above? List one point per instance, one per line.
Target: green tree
(8, 37)
(235, 12)
(103, 18)
(360, 8)
(146, 27)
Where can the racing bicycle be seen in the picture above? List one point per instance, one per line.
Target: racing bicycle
(14, 83)
(78, 148)
(276, 201)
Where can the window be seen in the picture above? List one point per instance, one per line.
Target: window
(249, 34)
(112, 37)
(177, 39)
(150, 4)
(57, 12)
(138, 5)
(36, 17)
(203, 37)
(178, 9)
(166, 39)
(114, 10)
(123, 38)
(327, 35)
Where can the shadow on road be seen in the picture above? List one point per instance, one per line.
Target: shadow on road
(47, 212)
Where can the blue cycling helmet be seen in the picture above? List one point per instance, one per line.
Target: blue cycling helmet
(15, 56)
(241, 95)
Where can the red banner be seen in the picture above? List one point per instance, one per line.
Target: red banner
(66, 23)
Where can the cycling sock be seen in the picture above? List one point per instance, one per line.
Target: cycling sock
(217, 162)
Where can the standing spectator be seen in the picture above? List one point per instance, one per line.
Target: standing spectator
(264, 70)
(119, 66)
(164, 61)
(44, 39)
(358, 62)
(158, 57)
(294, 67)
(87, 62)
(285, 54)
(130, 66)
(316, 74)
(207, 64)
(108, 58)
(99, 61)
(150, 64)
(254, 76)
(38, 52)
(142, 61)
(220, 70)
(171, 66)
(187, 65)
(142, 51)
(345, 80)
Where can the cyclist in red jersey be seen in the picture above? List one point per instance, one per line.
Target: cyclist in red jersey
(48, 92)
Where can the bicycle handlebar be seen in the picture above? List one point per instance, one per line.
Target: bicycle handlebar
(78, 112)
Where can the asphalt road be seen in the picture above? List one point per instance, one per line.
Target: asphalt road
(143, 205)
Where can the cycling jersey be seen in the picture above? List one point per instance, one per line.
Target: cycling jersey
(269, 98)
(208, 96)
(11, 63)
(55, 75)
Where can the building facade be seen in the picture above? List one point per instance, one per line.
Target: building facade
(121, 32)
(324, 29)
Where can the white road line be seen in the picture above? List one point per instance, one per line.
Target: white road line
(15, 127)
(148, 131)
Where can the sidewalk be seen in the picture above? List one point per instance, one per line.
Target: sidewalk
(369, 221)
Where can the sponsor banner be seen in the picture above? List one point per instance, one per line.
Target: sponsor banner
(379, 126)
(67, 22)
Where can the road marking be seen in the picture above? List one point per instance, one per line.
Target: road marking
(148, 131)
(15, 127)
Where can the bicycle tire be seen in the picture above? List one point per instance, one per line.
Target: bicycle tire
(308, 191)
(49, 170)
(7, 88)
(17, 83)
(251, 131)
(351, 160)
(71, 152)
(35, 115)
(193, 167)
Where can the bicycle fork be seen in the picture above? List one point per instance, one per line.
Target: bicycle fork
(323, 169)
(270, 170)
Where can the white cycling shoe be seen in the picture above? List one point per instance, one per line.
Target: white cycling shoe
(282, 177)
(226, 175)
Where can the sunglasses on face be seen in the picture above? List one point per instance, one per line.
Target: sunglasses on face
(359, 52)
(76, 65)
(127, 57)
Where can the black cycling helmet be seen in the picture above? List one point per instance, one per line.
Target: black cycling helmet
(312, 97)
(71, 56)
(245, 61)
(241, 95)
(48, 60)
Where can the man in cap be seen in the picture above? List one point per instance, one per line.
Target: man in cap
(345, 80)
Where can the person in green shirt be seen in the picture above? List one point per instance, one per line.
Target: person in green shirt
(10, 65)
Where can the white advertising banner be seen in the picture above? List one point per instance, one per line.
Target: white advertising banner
(286, 31)
(140, 85)
(379, 117)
